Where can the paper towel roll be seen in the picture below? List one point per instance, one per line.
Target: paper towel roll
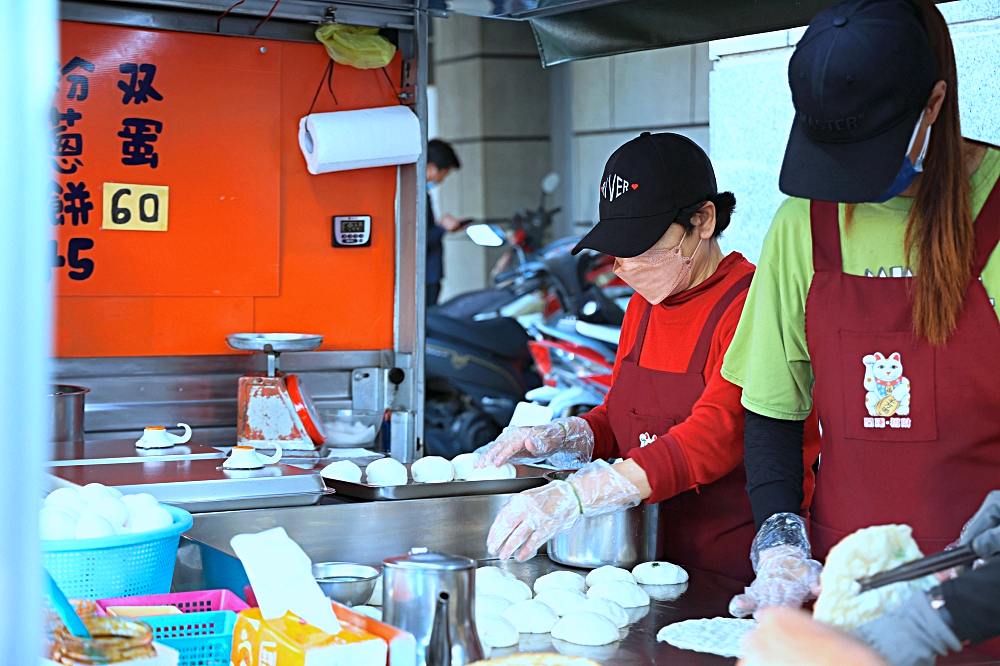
(345, 140)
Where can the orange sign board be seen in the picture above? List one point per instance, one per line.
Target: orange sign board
(143, 107)
(247, 245)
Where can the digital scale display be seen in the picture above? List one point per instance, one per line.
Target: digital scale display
(352, 230)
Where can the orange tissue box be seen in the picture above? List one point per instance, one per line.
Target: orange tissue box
(290, 641)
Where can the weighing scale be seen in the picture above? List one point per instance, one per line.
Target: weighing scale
(273, 409)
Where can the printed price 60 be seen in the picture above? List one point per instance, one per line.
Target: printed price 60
(130, 207)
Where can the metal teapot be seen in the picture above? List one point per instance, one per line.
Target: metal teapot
(432, 596)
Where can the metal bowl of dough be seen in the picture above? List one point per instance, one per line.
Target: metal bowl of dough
(621, 539)
(350, 584)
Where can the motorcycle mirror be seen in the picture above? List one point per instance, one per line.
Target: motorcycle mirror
(486, 235)
(550, 183)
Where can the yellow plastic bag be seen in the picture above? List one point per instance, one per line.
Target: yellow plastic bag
(355, 45)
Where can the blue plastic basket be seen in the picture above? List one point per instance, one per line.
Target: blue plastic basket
(117, 566)
(204, 638)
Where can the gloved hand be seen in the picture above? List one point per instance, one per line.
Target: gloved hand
(983, 529)
(571, 436)
(912, 634)
(786, 576)
(534, 516)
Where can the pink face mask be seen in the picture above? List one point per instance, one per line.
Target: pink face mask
(657, 273)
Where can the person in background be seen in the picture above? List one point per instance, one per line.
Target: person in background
(441, 161)
(964, 609)
(880, 311)
(676, 422)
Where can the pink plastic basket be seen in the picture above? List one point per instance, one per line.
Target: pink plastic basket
(186, 602)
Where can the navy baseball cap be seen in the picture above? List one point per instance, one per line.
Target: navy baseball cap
(648, 184)
(860, 77)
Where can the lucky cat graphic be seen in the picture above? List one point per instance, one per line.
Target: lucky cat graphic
(888, 390)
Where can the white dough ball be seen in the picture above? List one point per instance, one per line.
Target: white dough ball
(561, 600)
(433, 469)
(496, 632)
(342, 470)
(659, 573)
(385, 472)
(114, 492)
(139, 499)
(607, 574)
(146, 518)
(584, 628)
(466, 470)
(54, 522)
(112, 509)
(463, 464)
(530, 617)
(626, 595)
(92, 492)
(512, 590)
(376, 598)
(370, 611)
(608, 608)
(491, 604)
(490, 575)
(561, 580)
(65, 498)
(90, 525)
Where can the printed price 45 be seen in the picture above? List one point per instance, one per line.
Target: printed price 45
(80, 267)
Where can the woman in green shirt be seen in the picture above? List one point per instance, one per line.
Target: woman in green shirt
(881, 310)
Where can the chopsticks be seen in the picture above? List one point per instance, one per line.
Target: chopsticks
(925, 566)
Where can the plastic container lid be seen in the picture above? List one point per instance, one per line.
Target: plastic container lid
(305, 409)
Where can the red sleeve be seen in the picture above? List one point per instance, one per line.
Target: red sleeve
(708, 444)
(605, 444)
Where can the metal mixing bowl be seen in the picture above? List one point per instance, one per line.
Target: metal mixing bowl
(621, 539)
(350, 584)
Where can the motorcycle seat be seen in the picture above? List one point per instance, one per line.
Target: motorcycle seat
(502, 336)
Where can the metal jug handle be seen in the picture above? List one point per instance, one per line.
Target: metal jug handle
(439, 648)
(272, 459)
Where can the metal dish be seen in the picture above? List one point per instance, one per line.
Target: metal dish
(275, 342)
(350, 584)
(620, 539)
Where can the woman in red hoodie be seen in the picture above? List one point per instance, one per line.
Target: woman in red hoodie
(671, 417)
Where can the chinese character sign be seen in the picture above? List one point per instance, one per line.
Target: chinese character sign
(166, 172)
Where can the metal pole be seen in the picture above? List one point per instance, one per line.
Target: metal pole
(411, 232)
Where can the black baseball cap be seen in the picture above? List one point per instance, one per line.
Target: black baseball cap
(647, 184)
(860, 77)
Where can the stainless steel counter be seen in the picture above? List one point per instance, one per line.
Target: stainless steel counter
(368, 532)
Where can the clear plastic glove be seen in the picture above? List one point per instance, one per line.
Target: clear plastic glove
(983, 530)
(786, 576)
(911, 634)
(570, 436)
(534, 516)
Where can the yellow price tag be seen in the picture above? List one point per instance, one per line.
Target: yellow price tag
(130, 207)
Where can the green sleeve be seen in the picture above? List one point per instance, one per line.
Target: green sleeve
(768, 357)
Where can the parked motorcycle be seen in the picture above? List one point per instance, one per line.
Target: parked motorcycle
(477, 364)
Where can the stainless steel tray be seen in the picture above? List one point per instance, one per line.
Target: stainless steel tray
(202, 484)
(527, 477)
(110, 451)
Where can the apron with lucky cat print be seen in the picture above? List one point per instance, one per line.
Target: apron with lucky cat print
(910, 432)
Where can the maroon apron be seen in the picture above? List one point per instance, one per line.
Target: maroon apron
(910, 431)
(708, 528)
